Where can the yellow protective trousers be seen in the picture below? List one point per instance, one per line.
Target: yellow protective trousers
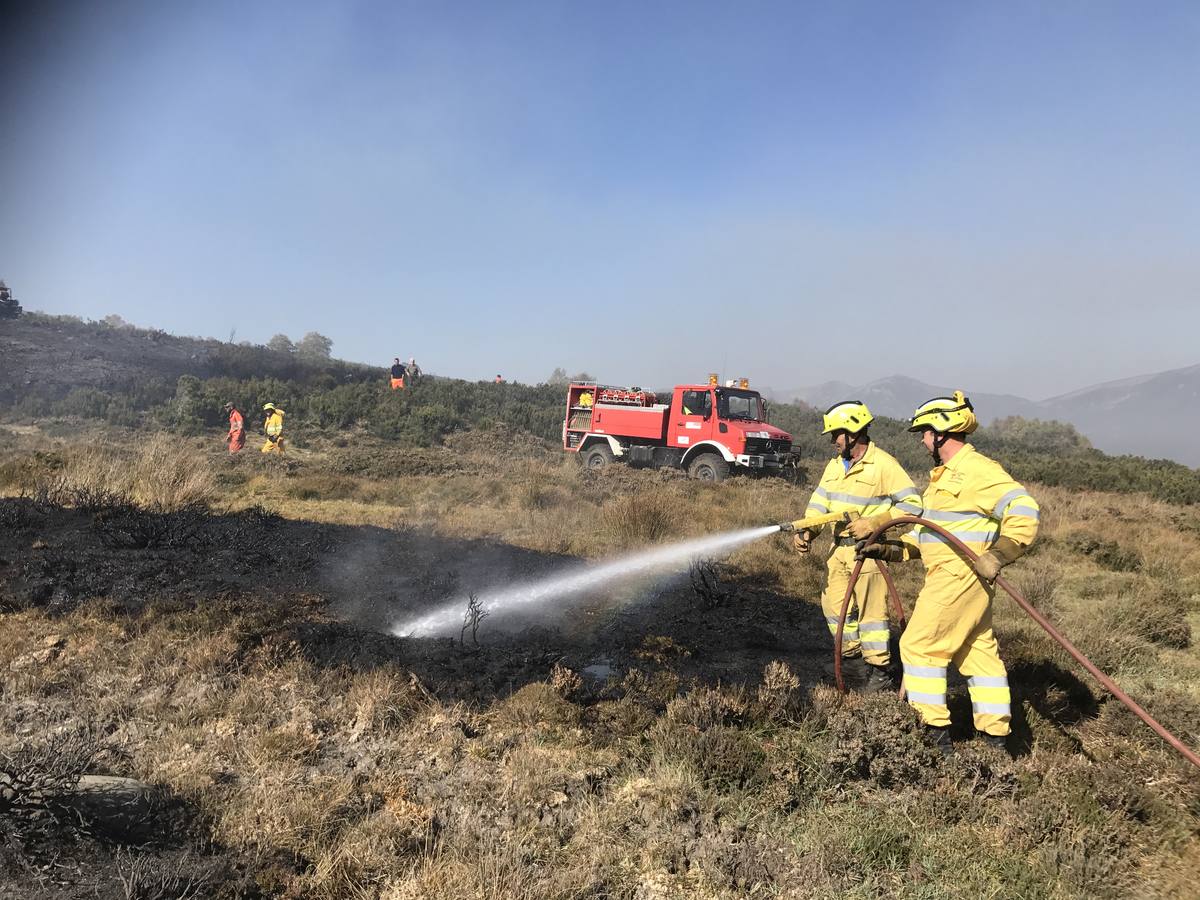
(866, 628)
(273, 446)
(951, 624)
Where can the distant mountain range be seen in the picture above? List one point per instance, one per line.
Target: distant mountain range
(1156, 416)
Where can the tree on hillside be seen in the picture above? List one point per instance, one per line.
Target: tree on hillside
(1036, 435)
(281, 343)
(9, 307)
(314, 347)
(559, 377)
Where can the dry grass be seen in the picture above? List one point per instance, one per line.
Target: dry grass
(161, 474)
(338, 782)
(167, 476)
(640, 518)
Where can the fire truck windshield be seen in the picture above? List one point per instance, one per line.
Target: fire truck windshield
(739, 405)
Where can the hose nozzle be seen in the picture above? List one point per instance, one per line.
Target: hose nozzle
(816, 521)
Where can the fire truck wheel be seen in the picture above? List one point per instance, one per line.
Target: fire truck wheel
(597, 456)
(708, 467)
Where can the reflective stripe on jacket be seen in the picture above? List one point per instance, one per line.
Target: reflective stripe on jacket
(972, 497)
(874, 484)
(274, 424)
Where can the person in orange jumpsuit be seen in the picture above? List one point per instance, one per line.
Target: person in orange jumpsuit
(236, 439)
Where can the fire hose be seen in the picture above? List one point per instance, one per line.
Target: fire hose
(1025, 605)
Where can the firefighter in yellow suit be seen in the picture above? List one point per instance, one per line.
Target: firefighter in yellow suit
(867, 481)
(972, 497)
(273, 428)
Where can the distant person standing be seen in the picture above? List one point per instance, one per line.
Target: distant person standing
(499, 380)
(414, 371)
(273, 427)
(398, 373)
(236, 439)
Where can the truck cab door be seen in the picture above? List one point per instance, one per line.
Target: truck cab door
(692, 416)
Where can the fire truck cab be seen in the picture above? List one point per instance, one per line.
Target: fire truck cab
(708, 430)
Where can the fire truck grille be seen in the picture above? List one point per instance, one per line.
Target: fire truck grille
(755, 446)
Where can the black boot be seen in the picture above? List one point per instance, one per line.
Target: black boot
(879, 680)
(999, 741)
(938, 737)
(852, 671)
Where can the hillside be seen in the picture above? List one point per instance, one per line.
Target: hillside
(676, 738)
(332, 395)
(45, 358)
(1154, 416)
(219, 631)
(897, 396)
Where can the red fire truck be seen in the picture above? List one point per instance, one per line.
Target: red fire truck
(706, 429)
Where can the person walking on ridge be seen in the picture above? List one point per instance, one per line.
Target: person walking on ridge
(865, 480)
(398, 372)
(976, 500)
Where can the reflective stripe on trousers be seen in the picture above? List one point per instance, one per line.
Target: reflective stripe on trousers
(874, 635)
(866, 627)
(926, 684)
(990, 694)
(951, 625)
(849, 630)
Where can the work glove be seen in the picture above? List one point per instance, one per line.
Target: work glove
(802, 541)
(887, 551)
(988, 566)
(862, 528)
(999, 555)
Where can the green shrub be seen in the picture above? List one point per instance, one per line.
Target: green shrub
(1106, 553)
(332, 394)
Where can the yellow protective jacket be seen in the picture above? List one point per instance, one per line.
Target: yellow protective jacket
(274, 424)
(975, 499)
(873, 485)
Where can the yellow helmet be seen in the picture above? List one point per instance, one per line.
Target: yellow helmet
(847, 415)
(946, 415)
(267, 406)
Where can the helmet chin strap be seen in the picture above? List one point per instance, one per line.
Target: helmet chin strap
(938, 441)
(852, 441)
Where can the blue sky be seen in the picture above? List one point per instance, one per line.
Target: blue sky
(1002, 196)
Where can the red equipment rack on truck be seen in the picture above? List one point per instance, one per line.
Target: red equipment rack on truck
(706, 429)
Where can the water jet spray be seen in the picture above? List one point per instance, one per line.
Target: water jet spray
(529, 595)
(447, 619)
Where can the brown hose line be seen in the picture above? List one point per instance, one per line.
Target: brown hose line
(958, 545)
(893, 594)
(897, 611)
